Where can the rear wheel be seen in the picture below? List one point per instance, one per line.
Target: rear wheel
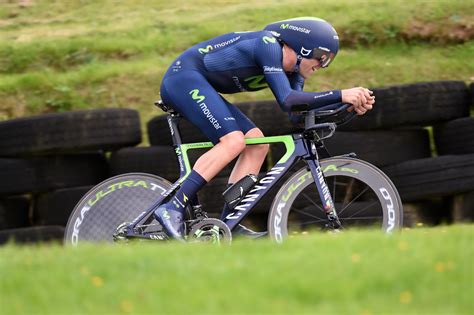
(363, 196)
(114, 201)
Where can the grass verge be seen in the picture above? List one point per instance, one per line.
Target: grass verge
(422, 271)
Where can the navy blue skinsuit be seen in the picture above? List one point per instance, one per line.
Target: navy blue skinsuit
(231, 63)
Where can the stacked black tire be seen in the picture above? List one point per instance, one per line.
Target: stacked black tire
(47, 162)
(434, 189)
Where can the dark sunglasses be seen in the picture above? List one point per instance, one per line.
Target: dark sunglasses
(324, 57)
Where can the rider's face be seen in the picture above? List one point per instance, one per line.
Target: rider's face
(308, 67)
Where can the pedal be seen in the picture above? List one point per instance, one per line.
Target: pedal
(199, 212)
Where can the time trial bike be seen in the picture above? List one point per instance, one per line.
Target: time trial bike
(333, 193)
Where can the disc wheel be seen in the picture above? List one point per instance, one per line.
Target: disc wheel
(210, 231)
(104, 209)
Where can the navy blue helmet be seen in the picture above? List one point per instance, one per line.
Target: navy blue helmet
(309, 37)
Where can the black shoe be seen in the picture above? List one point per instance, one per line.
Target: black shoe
(243, 231)
(172, 221)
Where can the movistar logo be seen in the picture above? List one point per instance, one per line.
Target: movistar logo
(205, 50)
(295, 28)
(205, 110)
(256, 82)
(195, 95)
(208, 48)
(268, 39)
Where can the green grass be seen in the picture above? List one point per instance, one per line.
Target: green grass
(421, 271)
(59, 35)
(63, 55)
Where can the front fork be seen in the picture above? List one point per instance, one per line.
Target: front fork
(323, 189)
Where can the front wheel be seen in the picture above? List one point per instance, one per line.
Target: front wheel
(363, 196)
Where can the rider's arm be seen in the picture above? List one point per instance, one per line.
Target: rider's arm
(269, 56)
(296, 81)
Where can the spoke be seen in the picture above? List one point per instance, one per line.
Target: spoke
(334, 190)
(360, 194)
(359, 211)
(349, 191)
(313, 221)
(315, 204)
(359, 218)
(306, 213)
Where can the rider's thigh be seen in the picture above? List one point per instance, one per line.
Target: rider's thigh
(193, 96)
(242, 120)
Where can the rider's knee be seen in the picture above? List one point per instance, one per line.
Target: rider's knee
(260, 148)
(234, 142)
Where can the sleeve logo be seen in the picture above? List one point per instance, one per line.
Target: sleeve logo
(268, 39)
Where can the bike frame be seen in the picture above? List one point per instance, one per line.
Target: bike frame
(298, 146)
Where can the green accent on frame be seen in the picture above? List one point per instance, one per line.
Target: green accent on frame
(287, 140)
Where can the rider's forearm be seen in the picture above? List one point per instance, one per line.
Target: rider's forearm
(288, 97)
(311, 99)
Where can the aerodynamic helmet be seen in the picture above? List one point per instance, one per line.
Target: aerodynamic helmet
(309, 37)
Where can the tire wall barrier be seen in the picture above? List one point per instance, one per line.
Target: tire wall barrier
(47, 162)
(420, 134)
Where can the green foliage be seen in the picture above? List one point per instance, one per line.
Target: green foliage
(421, 271)
(124, 48)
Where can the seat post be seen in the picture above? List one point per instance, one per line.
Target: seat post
(173, 119)
(173, 122)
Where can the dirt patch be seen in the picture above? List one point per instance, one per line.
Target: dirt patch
(13, 106)
(448, 31)
(439, 32)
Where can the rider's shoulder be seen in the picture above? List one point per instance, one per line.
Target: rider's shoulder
(249, 34)
(262, 34)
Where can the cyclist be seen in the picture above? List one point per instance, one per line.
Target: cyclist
(280, 57)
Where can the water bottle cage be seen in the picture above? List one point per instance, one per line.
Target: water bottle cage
(234, 194)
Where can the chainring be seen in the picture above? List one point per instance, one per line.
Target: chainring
(210, 231)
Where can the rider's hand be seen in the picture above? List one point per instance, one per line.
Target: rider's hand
(362, 99)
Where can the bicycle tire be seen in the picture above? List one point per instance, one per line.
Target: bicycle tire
(97, 215)
(359, 172)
